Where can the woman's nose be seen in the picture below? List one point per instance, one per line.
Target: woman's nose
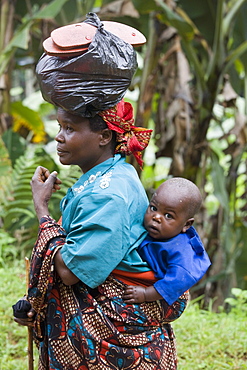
(59, 137)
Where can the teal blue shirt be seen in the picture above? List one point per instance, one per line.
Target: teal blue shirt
(103, 217)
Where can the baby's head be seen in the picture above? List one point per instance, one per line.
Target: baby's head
(172, 208)
(184, 191)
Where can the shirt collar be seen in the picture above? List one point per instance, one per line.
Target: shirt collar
(99, 170)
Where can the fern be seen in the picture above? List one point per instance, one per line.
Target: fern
(16, 204)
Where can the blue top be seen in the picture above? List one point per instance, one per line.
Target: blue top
(178, 263)
(102, 215)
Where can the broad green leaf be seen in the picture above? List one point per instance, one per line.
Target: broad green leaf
(5, 167)
(184, 28)
(145, 6)
(203, 15)
(50, 10)
(31, 120)
(14, 145)
(234, 11)
(21, 37)
(237, 292)
(219, 182)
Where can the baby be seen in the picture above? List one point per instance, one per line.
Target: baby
(172, 248)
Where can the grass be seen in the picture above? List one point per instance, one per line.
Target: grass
(211, 341)
(13, 337)
(205, 340)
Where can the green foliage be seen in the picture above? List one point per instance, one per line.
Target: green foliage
(8, 249)
(13, 337)
(15, 145)
(175, 20)
(219, 182)
(21, 35)
(212, 341)
(16, 205)
(5, 168)
(31, 120)
(18, 208)
(238, 302)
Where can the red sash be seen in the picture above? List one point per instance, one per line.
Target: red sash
(146, 278)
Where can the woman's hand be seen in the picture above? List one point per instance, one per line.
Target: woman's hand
(43, 184)
(28, 321)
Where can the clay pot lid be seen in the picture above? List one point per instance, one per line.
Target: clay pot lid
(74, 39)
(52, 49)
(125, 32)
(74, 35)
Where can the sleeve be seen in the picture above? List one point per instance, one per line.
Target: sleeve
(175, 282)
(98, 238)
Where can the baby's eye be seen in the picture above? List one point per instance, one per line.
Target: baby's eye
(168, 216)
(152, 208)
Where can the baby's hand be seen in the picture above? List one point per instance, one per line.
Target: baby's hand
(134, 294)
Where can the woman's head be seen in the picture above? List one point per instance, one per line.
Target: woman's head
(98, 124)
(82, 141)
(115, 126)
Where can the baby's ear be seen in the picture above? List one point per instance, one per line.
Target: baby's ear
(188, 224)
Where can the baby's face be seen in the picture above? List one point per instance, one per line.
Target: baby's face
(165, 216)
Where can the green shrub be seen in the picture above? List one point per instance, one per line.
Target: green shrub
(213, 341)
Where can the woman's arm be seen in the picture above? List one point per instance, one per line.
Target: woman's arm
(43, 184)
(66, 275)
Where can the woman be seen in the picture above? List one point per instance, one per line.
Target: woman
(79, 270)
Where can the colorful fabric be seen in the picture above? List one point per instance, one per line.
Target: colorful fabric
(178, 263)
(130, 139)
(78, 328)
(146, 278)
(106, 204)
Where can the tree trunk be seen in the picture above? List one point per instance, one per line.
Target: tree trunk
(6, 32)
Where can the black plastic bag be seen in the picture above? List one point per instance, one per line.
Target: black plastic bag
(92, 82)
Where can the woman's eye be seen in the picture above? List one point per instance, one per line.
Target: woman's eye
(69, 128)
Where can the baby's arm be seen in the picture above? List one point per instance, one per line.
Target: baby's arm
(140, 294)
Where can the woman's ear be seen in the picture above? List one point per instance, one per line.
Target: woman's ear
(105, 137)
(188, 224)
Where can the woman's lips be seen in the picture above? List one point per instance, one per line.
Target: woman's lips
(61, 152)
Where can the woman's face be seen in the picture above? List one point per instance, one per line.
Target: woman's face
(76, 143)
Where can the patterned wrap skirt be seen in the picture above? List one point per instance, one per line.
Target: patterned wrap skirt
(78, 328)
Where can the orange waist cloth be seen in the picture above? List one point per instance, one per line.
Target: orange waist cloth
(146, 278)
